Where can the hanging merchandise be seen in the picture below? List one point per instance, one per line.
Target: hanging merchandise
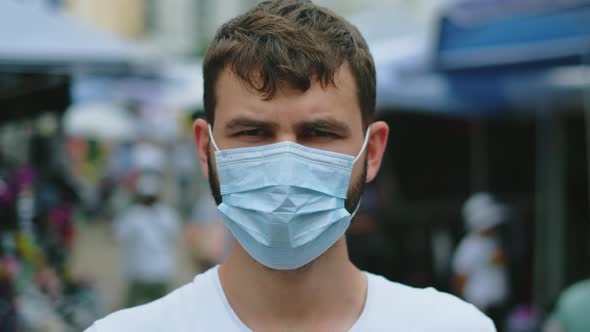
(37, 204)
(25, 201)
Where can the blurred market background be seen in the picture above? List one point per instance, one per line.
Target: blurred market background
(488, 102)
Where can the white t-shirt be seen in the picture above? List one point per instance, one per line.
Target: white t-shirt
(477, 258)
(148, 237)
(202, 306)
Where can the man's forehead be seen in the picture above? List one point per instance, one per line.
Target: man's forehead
(254, 83)
(235, 98)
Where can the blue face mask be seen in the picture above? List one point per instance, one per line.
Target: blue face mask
(284, 202)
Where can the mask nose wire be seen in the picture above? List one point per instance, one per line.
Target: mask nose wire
(364, 145)
(212, 139)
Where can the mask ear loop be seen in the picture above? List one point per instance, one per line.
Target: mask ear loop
(355, 209)
(364, 145)
(354, 161)
(212, 139)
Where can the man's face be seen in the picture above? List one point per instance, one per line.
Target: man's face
(326, 118)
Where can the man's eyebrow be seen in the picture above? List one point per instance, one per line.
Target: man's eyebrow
(242, 122)
(327, 124)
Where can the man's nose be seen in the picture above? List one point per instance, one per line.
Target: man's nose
(287, 136)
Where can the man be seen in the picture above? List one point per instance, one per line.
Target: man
(479, 266)
(148, 231)
(288, 146)
(208, 240)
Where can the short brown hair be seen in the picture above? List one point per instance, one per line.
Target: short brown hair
(289, 42)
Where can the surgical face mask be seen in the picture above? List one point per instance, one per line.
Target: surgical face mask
(284, 202)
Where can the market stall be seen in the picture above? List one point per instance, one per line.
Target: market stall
(40, 51)
(500, 98)
(529, 56)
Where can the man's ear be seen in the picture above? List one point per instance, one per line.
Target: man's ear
(375, 148)
(201, 132)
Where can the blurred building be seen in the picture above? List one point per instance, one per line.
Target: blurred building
(124, 18)
(184, 27)
(173, 27)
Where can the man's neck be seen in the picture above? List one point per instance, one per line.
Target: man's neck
(327, 294)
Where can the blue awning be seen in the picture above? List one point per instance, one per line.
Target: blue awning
(499, 54)
(479, 34)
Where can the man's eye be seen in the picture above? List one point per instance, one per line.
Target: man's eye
(318, 133)
(252, 132)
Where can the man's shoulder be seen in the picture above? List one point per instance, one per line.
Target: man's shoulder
(425, 308)
(169, 313)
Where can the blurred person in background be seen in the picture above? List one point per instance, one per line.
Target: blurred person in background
(148, 231)
(184, 160)
(208, 239)
(126, 162)
(572, 311)
(119, 175)
(524, 318)
(289, 92)
(479, 263)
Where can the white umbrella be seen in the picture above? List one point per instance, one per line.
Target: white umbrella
(102, 121)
